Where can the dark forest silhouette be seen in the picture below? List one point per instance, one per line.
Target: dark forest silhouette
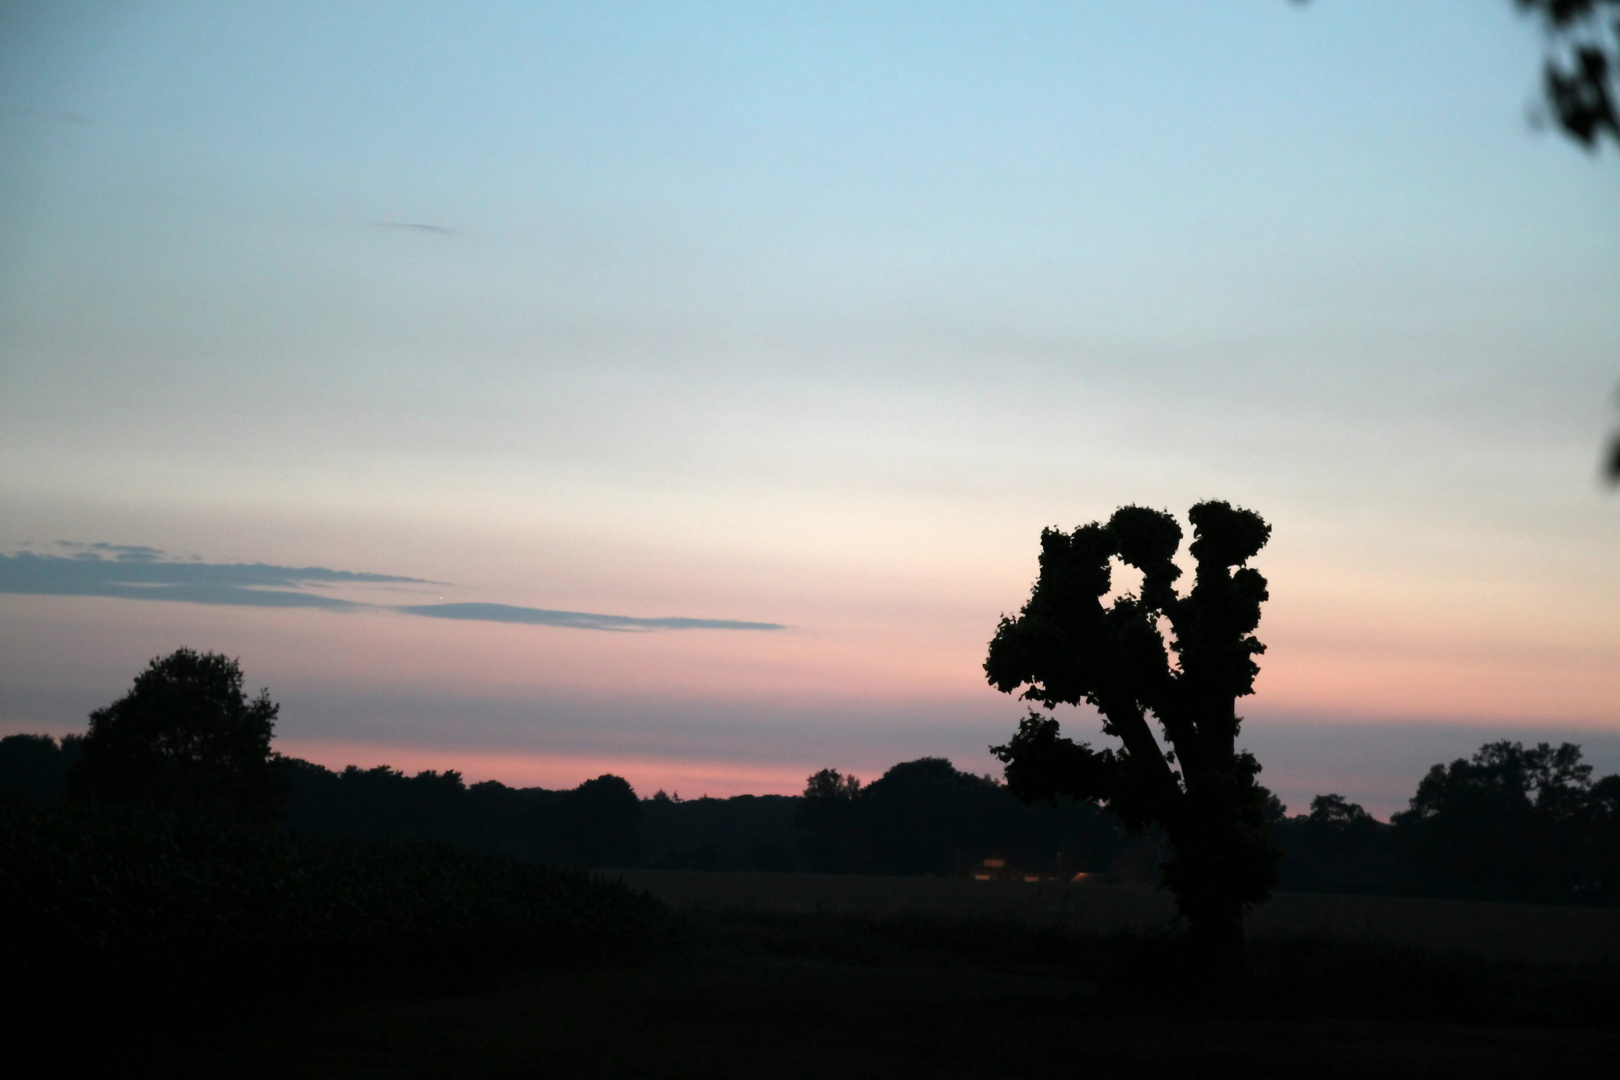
(595, 824)
(1510, 823)
(927, 817)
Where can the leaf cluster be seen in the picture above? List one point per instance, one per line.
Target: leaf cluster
(1583, 61)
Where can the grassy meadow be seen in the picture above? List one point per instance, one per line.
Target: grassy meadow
(1525, 932)
(797, 975)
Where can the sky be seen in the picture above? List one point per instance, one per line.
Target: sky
(679, 389)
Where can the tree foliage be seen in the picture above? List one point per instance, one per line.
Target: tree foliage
(186, 739)
(1582, 64)
(1183, 660)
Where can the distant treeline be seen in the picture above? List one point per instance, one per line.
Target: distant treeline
(1511, 823)
(595, 824)
(921, 817)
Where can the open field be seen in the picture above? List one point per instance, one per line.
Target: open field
(802, 976)
(761, 1017)
(1504, 931)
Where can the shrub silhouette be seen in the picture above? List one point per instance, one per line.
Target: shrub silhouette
(185, 739)
(1066, 647)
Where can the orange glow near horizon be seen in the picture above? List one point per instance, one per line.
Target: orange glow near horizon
(688, 778)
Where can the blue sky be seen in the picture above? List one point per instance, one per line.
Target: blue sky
(806, 315)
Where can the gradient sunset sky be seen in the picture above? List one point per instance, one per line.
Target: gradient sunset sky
(683, 387)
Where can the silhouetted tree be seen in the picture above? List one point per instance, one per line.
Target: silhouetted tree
(1066, 647)
(832, 841)
(1335, 813)
(186, 739)
(1611, 464)
(1579, 81)
(1582, 64)
(926, 816)
(1337, 847)
(598, 824)
(1583, 60)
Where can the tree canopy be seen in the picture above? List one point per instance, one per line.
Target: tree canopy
(186, 739)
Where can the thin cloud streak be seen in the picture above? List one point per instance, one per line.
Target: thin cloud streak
(120, 552)
(27, 572)
(261, 585)
(581, 620)
(414, 226)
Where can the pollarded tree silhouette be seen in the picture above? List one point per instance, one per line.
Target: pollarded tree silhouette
(1184, 660)
(186, 739)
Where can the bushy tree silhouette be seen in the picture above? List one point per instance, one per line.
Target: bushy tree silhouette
(827, 816)
(1184, 660)
(186, 739)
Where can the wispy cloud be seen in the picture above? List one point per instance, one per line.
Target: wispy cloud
(416, 226)
(141, 573)
(121, 552)
(581, 620)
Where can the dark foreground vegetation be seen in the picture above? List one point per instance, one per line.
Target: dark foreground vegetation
(906, 994)
(96, 896)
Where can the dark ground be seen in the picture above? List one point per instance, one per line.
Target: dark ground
(758, 1017)
(940, 992)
